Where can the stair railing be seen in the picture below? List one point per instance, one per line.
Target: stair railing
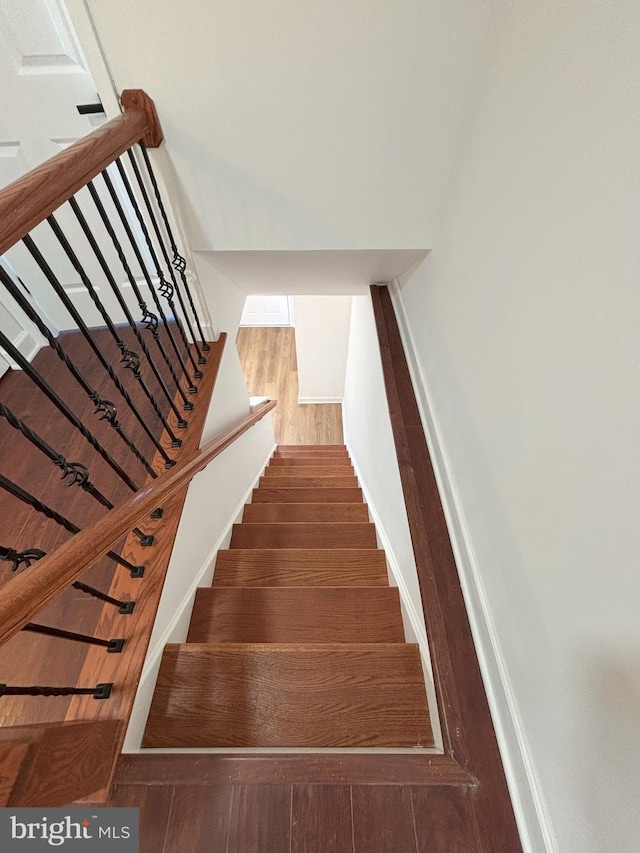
(95, 214)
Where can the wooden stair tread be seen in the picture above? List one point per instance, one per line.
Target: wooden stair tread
(283, 472)
(280, 494)
(296, 615)
(327, 534)
(298, 695)
(265, 512)
(320, 461)
(314, 448)
(300, 567)
(304, 482)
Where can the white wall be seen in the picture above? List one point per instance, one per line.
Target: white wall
(368, 436)
(302, 124)
(525, 319)
(322, 338)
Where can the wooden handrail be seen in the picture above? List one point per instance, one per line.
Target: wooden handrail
(30, 199)
(32, 590)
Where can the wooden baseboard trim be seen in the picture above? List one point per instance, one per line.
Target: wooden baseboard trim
(467, 728)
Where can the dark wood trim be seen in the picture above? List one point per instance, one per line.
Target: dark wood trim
(468, 732)
(138, 100)
(289, 768)
(30, 591)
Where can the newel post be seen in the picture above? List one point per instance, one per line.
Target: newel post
(137, 99)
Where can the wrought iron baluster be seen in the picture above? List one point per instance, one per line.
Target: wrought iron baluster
(136, 250)
(132, 323)
(101, 405)
(178, 261)
(78, 472)
(124, 607)
(86, 332)
(166, 289)
(16, 557)
(130, 359)
(100, 691)
(112, 646)
(31, 554)
(149, 320)
(39, 506)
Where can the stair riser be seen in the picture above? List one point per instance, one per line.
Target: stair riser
(296, 615)
(290, 512)
(266, 494)
(280, 472)
(321, 567)
(311, 448)
(302, 535)
(299, 482)
(310, 461)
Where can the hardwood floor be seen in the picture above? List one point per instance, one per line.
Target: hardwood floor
(219, 818)
(268, 357)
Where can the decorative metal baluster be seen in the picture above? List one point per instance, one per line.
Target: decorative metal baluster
(130, 359)
(86, 332)
(104, 406)
(145, 273)
(124, 607)
(178, 261)
(112, 646)
(100, 691)
(143, 268)
(149, 320)
(132, 323)
(39, 506)
(31, 554)
(78, 472)
(166, 289)
(17, 557)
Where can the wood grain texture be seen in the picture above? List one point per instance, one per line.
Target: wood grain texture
(284, 472)
(444, 820)
(353, 534)
(296, 615)
(328, 449)
(268, 358)
(329, 494)
(467, 728)
(31, 198)
(383, 820)
(300, 567)
(65, 762)
(199, 819)
(12, 757)
(317, 768)
(321, 819)
(155, 805)
(324, 695)
(138, 100)
(318, 483)
(256, 513)
(260, 820)
(318, 461)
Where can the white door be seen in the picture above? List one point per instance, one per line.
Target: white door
(267, 310)
(43, 78)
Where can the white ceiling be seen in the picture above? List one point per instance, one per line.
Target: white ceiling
(313, 272)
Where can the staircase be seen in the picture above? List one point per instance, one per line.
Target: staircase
(299, 641)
